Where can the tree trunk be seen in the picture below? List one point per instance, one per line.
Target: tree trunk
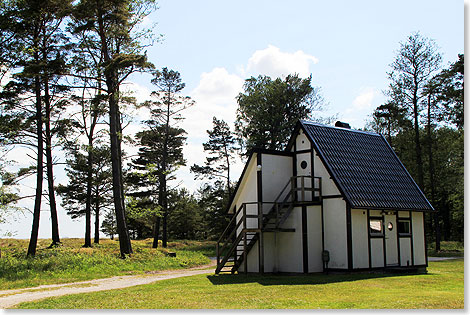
(112, 89)
(89, 192)
(419, 159)
(431, 177)
(119, 207)
(163, 188)
(97, 222)
(39, 170)
(156, 231)
(49, 166)
(165, 211)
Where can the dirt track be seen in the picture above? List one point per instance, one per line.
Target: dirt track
(16, 296)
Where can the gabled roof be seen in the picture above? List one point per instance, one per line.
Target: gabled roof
(365, 168)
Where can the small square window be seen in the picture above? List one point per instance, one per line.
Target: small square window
(376, 227)
(404, 227)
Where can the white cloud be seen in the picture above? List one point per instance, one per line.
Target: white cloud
(276, 63)
(215, 96)
(141, 93)
(365, 98)
(362, 106)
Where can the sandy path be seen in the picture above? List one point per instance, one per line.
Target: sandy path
(17, 296)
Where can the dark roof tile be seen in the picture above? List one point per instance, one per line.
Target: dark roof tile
(366, 169)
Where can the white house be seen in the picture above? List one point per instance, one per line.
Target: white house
(336, 198)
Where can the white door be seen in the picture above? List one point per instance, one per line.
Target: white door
(391, 244)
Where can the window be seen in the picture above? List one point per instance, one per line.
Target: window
(404, 227)
(376, 227)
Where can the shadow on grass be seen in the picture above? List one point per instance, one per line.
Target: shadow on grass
(311, 279)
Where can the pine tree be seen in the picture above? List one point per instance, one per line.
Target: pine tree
(221, 148)
(112, 27)
(165, 114)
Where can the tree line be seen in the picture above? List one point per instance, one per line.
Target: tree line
(65, 63)
(423, 120)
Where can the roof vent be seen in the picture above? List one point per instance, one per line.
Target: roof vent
(342, 125)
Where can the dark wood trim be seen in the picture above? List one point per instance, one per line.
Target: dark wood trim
(384, 245)
(305, 150)
(259, 177)
(312, 171)
(368, 239)
(411, 241)
(376, 236)
(390, 209)
(294, 160)
(404, 235)
(333, 197)
(273, 152)
(349, 236)
(398, 238)
(374, 268)
(259, 187)
(304, 239)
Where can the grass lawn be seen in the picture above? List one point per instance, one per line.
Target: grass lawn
(70, 262)
(442, 287)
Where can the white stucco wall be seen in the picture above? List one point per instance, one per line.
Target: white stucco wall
(403, 214)
(376, 251)
(405, 251)
(418, 238)
(375, 213)
(276, 172)
(302, 142)
(328, 185)
(359, 231)
(314, 239)
(290, 244)
(247, 192)
(334, 214)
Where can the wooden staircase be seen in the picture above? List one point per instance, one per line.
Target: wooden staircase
(239, 237)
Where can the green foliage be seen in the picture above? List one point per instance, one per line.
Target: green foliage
(185, 216)
(451, 91)
(70, 262)
(441, 288)
(74, 193)
(269, 109)
(221, 147)
(213, 199)
(448, 249)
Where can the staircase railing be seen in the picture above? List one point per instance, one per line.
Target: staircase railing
(230, 239)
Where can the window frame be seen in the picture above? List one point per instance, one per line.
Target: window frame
(382, 227)
(404, 234)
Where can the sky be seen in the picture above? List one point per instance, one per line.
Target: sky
(347, 47)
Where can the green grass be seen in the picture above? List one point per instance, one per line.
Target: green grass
(448, 249)
(70, 262)
(442, 287)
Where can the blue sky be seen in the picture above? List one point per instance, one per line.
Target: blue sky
(345, 45)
